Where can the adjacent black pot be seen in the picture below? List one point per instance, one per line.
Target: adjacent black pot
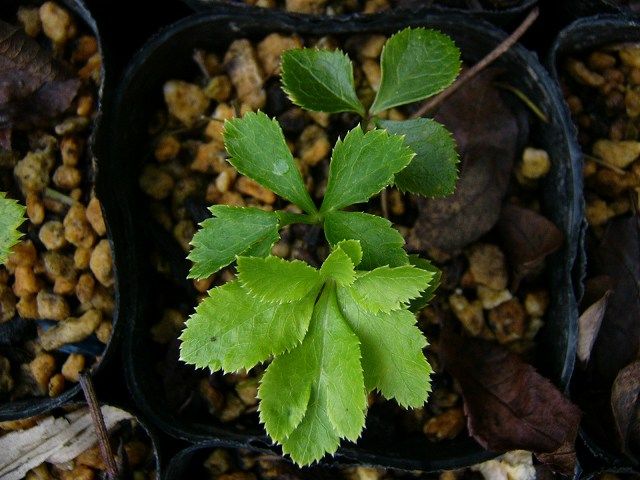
(105, 177)
(585, 35)
(574, 9)
(504, 17)
(168, 55)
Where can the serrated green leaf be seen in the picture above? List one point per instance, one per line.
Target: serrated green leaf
(385, 288)
(381, 243)
(231, 232)
(273, 279)
(11, 217)
(434, 170)
(258, 149)
(353, 249)
(415, 64)
(328, 360)
(339, 267)
(391, 346)
(320, 80)
(361, 165)
(231, 330)
(427, 295)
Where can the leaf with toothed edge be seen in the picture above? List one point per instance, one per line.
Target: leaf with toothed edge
(11, 217)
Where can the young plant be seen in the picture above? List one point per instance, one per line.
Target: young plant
(11, 217)
(338, 332)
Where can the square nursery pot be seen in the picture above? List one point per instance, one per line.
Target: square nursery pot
(96, 171)
(169, 55)
(505, 15)
(584, 35)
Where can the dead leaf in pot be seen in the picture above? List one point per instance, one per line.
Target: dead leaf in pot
(487, 134)
(625, 404)
(617, 255)
(528, 238)
(33, 86)
(589, 325)
(508, 404)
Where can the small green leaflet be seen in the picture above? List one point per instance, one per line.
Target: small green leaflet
(416, 63)
(381, 243)
(232, 231)
(434, 170)
(427, 295)
(361, 165)
(258, 149)
(231, 330)
(11, 217)
(273, 279)
(401, 285)
(328, 344)
(391, 346)
(320, 80)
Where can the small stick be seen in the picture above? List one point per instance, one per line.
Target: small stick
(605, 164)
(384, 203)
(467, 75)
(98, 423)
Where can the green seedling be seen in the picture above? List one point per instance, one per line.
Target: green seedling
(336, 333)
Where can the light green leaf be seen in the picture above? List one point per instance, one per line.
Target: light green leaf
(391, 346)
(361, 165)
(328, 363)
(434, 170)
(385, 288)
(11, 217)
(353, 249)
(427, 295)
(231, 232)
(257, 149)
(339, 267)
(320, 80)
(231, 330)
(381, 243)
(416, 63)
(273, 279)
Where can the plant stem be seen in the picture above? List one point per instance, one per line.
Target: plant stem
(467, 75)
(288, 218)
(59, 197)
(98, 423)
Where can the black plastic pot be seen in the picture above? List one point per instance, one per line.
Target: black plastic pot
(582, 36)
(168, 55)
(574, 9)
(115, 231)
(504, 17)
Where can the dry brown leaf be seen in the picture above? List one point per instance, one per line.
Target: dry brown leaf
(508, 404)
(625, 404)
(34, 87)
(589, 325)
(486, 132)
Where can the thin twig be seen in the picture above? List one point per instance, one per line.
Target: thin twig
(524, 99)
(98, 423)
(602, 163)
(467, 75)
(58, 197)
(384, 203)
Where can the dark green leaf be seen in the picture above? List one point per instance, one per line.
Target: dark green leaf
(381, 243)
(416, 63)
(257, 148)
(434, 170)
(320, 80)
